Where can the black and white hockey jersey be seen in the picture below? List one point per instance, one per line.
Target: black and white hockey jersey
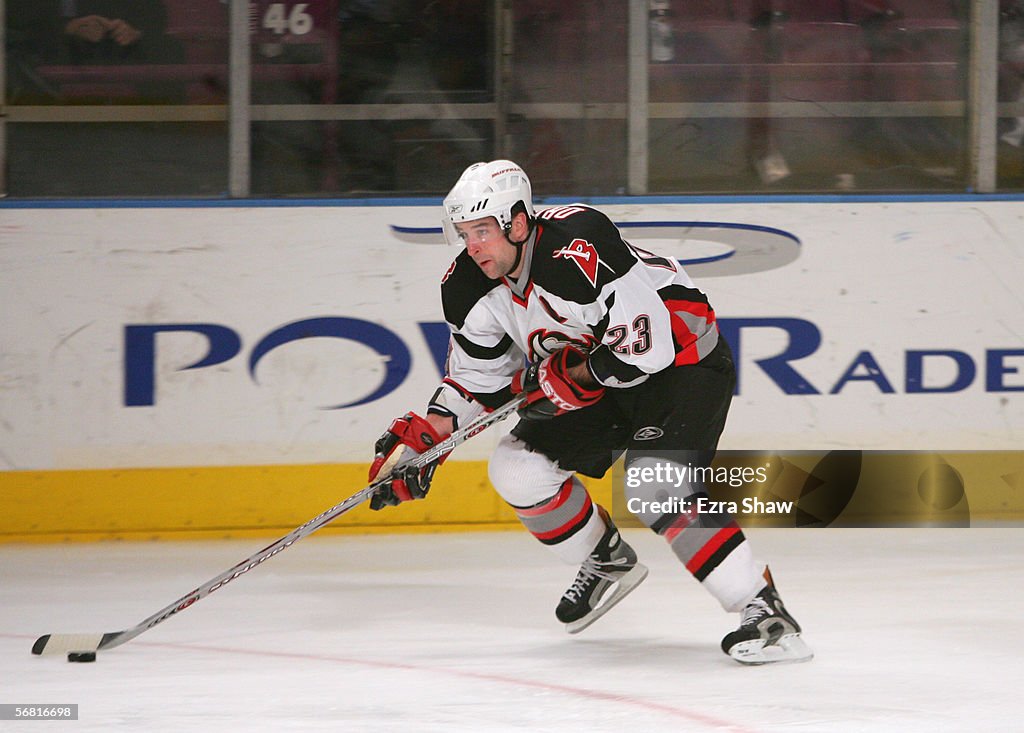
(635, 313)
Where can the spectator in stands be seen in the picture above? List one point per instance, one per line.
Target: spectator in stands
(94, 31)
(85, 32)
(457, 38)
(392, 51)
(369, 35)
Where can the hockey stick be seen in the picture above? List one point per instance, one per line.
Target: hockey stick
(64, 643)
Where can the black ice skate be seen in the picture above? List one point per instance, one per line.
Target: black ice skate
(767, 632)
(610, 572)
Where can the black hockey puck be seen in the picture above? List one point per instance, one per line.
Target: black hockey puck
(81, 656)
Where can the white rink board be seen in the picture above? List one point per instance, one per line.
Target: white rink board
(888, 279)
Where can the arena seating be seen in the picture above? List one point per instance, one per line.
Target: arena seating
(713, 63)
(824, 50)
(201, 27)
(811, 10)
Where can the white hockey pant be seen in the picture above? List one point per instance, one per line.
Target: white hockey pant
(550, 502)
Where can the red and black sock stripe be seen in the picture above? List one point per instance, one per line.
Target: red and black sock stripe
(702, 541)
(557, 519)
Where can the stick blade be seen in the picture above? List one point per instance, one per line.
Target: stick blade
(64, 643)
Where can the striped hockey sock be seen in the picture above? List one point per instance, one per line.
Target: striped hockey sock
(714, 549)
(569, 522)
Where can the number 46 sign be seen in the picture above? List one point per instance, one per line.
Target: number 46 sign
(288, 19)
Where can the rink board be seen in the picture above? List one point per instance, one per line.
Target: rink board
(168, 370)
(237, 501)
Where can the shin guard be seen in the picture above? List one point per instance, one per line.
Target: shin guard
(569, 522)
(715, 551)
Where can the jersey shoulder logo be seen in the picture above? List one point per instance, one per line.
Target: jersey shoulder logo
(584, 254)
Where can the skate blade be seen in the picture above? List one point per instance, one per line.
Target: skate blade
(622, 588)
(789, 648)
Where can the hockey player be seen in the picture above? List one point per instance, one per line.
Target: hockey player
(614, 349)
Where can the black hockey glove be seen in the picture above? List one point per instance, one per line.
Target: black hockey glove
(407, 483)
(549, 389)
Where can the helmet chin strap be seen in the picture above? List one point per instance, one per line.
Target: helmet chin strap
(518, 245)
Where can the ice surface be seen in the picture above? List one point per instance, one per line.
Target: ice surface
(914, 630)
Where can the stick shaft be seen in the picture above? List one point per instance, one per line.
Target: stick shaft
(63, 643)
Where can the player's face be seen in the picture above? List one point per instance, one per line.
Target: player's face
(487, 244)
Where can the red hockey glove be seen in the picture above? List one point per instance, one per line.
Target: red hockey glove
(407, 482)
(549, 389)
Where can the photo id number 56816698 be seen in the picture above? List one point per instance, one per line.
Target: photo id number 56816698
(38, 712)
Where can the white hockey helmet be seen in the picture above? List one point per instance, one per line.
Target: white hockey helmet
(486, 189)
